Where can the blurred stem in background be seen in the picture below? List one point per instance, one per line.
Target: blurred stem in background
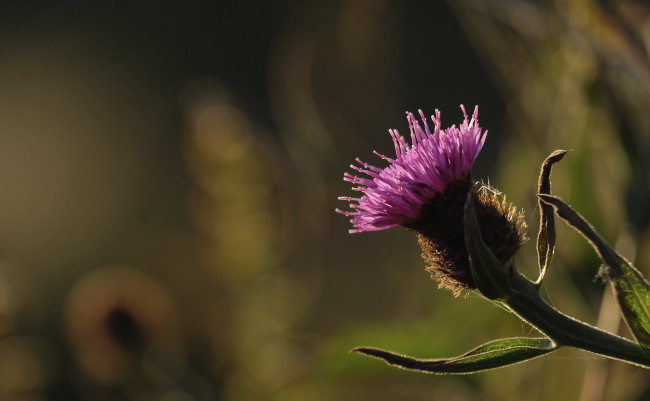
(576, 75)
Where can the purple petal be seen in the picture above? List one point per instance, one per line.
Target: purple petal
(421, 171)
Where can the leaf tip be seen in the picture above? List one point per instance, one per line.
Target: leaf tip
(369, 351)
(548, 199)
(559, 153)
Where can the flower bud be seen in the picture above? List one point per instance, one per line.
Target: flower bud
(441, 232)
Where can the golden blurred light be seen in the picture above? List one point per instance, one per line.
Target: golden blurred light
(220, 130)
(237, 204)
(233, 203)
(116, 319)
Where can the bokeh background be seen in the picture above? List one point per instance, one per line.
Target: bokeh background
(169, 174)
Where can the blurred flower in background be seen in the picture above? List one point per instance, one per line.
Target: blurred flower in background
(169, 172)
(118, 322)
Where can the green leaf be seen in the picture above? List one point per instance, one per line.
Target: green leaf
(495, 354)
(633, 295)
(632, 290)
(546, 235)
(489, 275)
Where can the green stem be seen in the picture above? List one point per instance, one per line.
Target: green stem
(526, 302)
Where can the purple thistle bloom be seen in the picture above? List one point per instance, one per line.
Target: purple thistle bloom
(395, 195)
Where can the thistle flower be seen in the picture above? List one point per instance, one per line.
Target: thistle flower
(424, 189)
(395, 195)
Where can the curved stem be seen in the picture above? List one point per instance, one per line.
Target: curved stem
(526, 302)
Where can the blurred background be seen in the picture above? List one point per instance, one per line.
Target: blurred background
(169, 174)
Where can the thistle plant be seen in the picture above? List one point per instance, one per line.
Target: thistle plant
(470, 235)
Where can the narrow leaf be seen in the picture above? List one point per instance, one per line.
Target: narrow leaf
(632, 290)
(546, 235)
(489, 275)
(492, 355)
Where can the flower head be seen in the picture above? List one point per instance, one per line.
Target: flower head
(421, 172)
(425, 188)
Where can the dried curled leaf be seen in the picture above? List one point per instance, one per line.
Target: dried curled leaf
(546, 235)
